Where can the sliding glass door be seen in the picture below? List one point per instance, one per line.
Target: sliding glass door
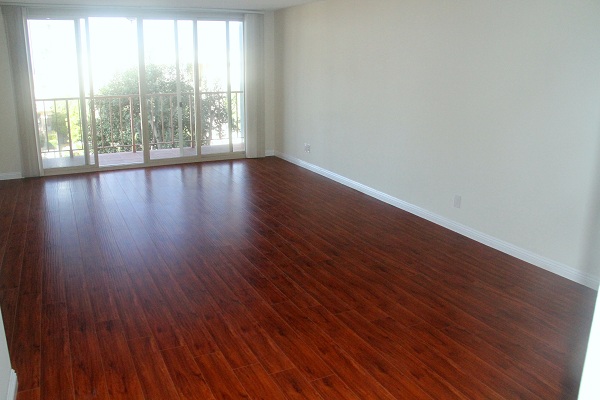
(169, 84)
(117, 91)
(112, 89)
(220, 62)
(55, 64)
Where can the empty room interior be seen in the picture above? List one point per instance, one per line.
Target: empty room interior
(295, 199)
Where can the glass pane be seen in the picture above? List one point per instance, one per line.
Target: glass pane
(236, 55)
(108, 63)
(169, 89)
(115, 112)
(212, 55)
(212, 64)
(56, 91)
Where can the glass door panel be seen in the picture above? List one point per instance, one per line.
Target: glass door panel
(54, 61)
(114, 90)
(168, 63)
(213, 79)
(88, 94)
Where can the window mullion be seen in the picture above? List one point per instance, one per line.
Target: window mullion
(143, 91)
(179, 107)
(230, 114)
(91, 83)
(197, 94)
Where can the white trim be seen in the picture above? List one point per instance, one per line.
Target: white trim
(269, 153)
(41, 10)
(11, 394)
(540, 261)
(10, 175)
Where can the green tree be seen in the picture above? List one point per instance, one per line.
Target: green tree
(118, 110)
(60, 125)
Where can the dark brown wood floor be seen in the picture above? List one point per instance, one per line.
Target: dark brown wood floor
(257, 279)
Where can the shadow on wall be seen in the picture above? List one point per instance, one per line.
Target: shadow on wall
(591, 267)
(591, 250)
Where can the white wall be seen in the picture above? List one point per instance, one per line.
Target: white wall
(590, 384)
(10, 162)
(7, 377)
(498, 102)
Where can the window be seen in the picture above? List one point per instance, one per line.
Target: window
(121, 90)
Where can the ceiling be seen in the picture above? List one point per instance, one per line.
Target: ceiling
(211, 4)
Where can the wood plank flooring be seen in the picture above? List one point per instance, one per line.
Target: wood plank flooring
(256, 279)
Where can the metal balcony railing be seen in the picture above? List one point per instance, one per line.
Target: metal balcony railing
(116, 122)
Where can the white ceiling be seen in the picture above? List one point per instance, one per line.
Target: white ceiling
(211, 4)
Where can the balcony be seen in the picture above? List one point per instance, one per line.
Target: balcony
(113, 128)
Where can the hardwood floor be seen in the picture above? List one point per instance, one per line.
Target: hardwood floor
(258, 279)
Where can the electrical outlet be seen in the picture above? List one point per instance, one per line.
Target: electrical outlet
(457, 201)
(307, 147)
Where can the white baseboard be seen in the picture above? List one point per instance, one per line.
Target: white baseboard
(10, 175)
(12, 386)
(545, 263)
(269, 153)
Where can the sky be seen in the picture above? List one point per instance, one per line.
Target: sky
(113, 44)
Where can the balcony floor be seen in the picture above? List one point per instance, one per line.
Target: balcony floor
(128, 157)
